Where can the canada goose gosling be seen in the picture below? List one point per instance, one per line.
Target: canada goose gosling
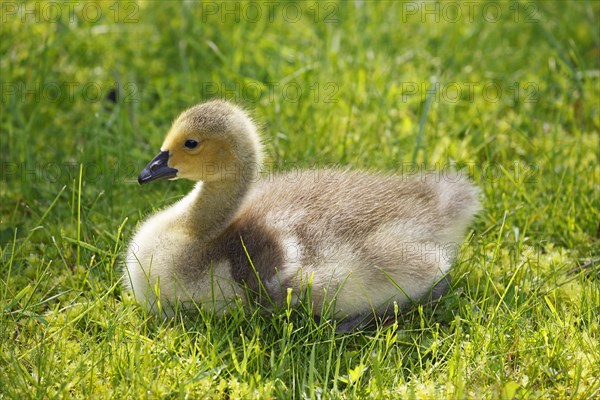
(365, 240)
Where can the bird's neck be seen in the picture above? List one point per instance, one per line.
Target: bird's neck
(212, 205)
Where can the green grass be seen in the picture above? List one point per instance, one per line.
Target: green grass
(516, 323)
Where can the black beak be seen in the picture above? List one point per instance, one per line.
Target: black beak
(158, 168)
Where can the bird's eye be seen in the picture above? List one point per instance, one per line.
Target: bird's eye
(191, 144)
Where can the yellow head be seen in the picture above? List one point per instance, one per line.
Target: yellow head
(208, 142)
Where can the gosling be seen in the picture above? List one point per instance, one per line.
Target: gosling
(360, 241)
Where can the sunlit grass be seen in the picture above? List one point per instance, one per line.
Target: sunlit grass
(520, 321)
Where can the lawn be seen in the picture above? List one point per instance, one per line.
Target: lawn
(508, 92)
